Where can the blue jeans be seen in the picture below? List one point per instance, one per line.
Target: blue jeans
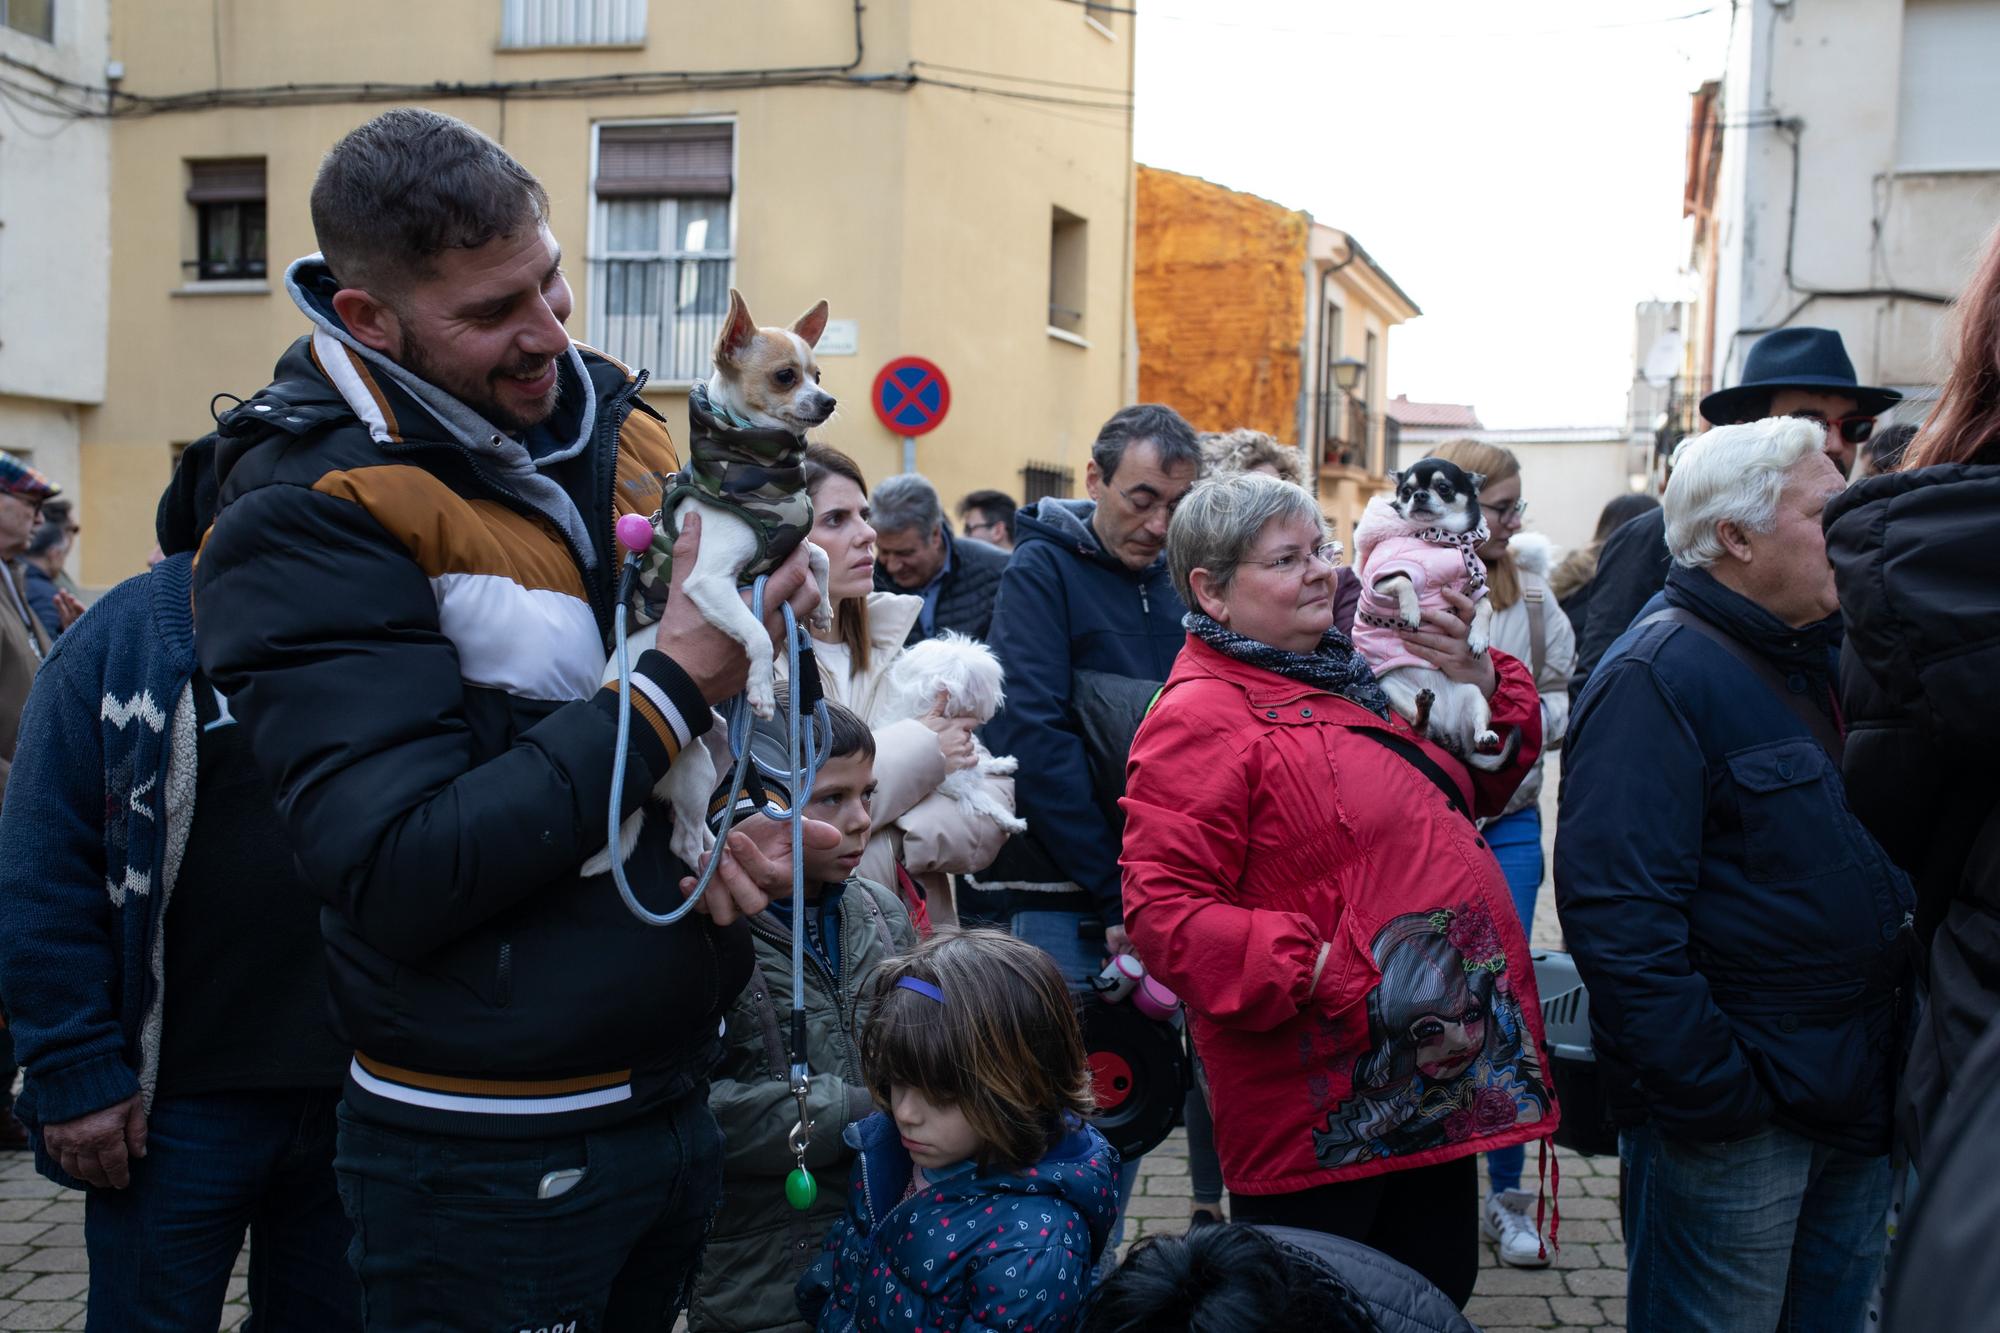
(452, 1233)
(161, 1249)
(1516, 841)
(1772, 1231)
(1080, 958)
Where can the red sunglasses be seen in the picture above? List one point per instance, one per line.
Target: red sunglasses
(1855, 429)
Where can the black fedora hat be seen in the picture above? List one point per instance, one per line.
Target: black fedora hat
(1795, 359)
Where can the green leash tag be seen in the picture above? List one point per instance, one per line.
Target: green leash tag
(801, 1189)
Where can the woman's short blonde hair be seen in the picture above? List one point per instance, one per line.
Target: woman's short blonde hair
(1229, 452)
(1219, 520)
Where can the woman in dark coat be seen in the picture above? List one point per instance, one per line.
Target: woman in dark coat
(1913, 553)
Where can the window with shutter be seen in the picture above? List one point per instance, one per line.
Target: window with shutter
(37, 18)
(1041, 481)
(228, 197)
(538, 23)
(661, 260)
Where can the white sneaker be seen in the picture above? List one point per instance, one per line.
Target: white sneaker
(1508, 1220)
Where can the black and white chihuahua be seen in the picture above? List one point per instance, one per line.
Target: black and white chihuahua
(1408, 550)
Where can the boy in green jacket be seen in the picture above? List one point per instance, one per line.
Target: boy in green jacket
(759, 1245)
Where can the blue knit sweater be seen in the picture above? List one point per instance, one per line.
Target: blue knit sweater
(97, 816)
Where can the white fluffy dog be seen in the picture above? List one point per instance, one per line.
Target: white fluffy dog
(964, 677)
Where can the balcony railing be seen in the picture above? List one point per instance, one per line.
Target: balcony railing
(1343, 430)
(661, 315)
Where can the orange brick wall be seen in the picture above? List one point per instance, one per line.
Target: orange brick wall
(1218, 295)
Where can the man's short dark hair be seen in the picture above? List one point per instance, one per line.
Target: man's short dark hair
(46, 538)
(409, 185)
(848, 734)
(997, 506)
(1168, 431)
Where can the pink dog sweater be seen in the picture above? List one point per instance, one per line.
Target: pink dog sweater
(1431, 558)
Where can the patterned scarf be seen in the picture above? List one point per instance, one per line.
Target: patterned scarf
(1334, 666)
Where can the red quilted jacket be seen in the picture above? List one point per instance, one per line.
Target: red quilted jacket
(1261, 823)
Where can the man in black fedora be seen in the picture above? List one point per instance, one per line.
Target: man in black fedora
(1788, 373)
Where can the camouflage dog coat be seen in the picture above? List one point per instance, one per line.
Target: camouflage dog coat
(755, 472)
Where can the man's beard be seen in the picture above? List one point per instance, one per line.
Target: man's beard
(478, 395)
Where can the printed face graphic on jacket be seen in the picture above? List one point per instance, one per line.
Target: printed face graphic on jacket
(1447, 1041)
(1450, 1057)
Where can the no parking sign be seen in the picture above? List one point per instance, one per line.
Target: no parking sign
(911, 397)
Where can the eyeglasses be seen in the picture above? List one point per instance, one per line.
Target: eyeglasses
(1147, 501)
(34, 506)
(1501, 513)
(1854, 429)
(1327, 553)
(974, 529)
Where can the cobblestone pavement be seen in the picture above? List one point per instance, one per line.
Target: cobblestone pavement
(43, 1273)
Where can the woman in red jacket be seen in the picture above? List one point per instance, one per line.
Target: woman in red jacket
(1302, 870)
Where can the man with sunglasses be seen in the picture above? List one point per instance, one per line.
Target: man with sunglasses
(1801, 373)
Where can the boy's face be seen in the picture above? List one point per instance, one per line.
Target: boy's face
(841, 798)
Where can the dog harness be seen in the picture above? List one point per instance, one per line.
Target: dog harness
(755, 472)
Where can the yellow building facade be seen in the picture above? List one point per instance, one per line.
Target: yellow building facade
(954, 177)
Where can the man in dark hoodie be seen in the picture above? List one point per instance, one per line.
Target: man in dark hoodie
(1087, 625)
(407, 597)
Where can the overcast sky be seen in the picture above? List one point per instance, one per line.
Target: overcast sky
(1516, 167)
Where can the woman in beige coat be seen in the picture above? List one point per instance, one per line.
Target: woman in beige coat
(932, 836)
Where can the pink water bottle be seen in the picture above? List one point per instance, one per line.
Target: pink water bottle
(1154, 1000)
(1120, 977)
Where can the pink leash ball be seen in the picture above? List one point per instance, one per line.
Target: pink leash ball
(635, 533)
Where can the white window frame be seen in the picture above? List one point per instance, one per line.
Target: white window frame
(600, 331)
(1924, 105)
(542, 25)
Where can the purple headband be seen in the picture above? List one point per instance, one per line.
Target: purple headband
(923, 988)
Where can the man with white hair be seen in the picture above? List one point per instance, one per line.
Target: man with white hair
(1743, 938)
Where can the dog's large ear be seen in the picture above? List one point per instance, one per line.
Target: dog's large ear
(1476, 480)
(737, 331)
(811, 324)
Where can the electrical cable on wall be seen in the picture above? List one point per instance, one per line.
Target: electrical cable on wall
(1792, 128)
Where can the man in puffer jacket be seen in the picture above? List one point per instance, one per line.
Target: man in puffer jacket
(407, 596)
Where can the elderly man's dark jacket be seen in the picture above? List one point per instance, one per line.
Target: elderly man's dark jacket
(965, 597)
(1744, 938)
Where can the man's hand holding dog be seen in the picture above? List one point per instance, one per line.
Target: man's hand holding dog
(713, 660)
(756, 867)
